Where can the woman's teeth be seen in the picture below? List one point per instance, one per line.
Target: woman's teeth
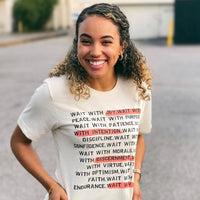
(97, 62)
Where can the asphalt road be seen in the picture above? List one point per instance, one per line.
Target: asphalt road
(171, 167)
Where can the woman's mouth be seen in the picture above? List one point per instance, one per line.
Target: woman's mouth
(96, 64)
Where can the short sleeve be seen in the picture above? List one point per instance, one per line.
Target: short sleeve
(39, 116)
(146, 117)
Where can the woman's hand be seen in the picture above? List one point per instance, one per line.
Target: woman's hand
(137, 193)
(57, 193)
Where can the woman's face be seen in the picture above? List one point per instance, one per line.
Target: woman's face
(98, 47)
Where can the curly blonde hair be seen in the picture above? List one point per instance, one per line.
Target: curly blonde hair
(133, 65)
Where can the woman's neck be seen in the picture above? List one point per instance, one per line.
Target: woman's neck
(103, 84)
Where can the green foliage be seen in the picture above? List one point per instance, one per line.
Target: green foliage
(33, 13)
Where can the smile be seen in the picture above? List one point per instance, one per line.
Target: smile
(96, 64)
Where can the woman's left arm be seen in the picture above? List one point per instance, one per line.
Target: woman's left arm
(139, 156)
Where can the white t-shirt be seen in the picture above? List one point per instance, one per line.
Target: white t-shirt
(95, 138)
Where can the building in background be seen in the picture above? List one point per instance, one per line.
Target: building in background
(6, 16)
(147, 18)
(187, 22)
(64, 15)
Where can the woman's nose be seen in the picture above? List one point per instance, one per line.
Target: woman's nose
(95, 50)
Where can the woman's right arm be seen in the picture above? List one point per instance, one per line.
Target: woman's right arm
(26, 155)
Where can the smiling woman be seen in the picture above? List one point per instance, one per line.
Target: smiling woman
(99, 51)
(131, 64)
(97, 104)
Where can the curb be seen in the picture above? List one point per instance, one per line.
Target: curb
(26, 39)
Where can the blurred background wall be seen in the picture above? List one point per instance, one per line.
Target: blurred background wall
(6, 15)
(148, 18)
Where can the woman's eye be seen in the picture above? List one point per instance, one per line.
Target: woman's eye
(106, 42)
(85, 41)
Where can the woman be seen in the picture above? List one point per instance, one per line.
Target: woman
(97, 104)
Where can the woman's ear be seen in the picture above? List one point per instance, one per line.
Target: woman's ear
(122, 47)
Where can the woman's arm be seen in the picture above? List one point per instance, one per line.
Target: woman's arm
(26, 155)
(139, 156)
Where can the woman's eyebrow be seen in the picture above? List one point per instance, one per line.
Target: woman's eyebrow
(107, 36)
(103, 37)
(85, 35)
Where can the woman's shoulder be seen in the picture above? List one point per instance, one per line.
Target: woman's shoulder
(127, 83)
(58, 86)
(54, 80)
(131, 83)
(130, 86)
